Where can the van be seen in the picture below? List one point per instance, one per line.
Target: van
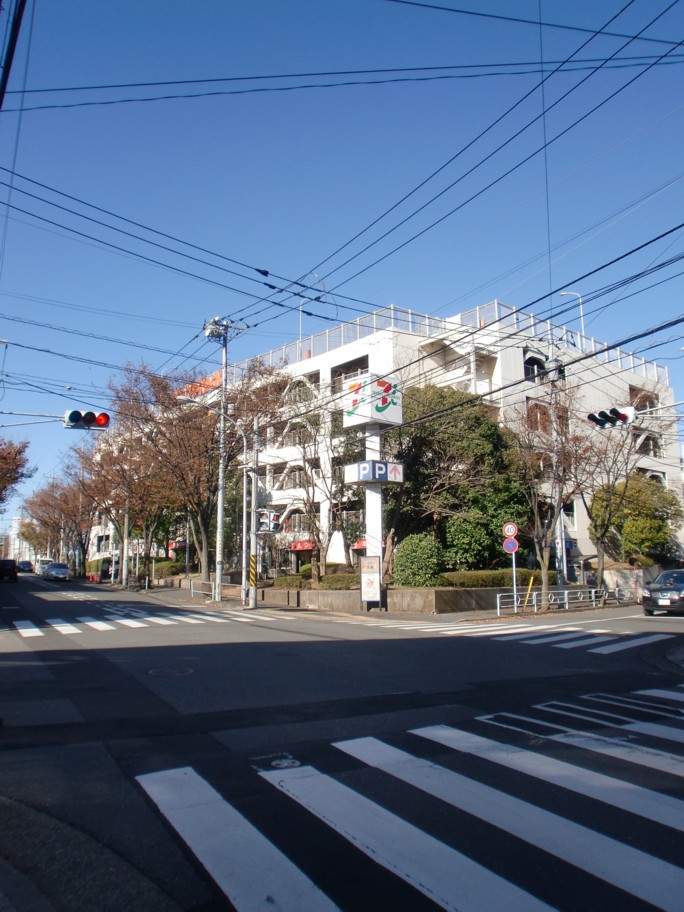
(8, 570)
(42, 565)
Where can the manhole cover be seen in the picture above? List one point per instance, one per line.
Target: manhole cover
(170, 672)
(274, 761)
(285, 763)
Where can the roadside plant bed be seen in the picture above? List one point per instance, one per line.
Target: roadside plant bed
(293, 581)
(491, 579)
(340, 581)
(331, 581)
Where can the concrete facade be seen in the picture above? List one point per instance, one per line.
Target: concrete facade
(493, 351)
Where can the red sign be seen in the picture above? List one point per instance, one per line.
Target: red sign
(301, 546)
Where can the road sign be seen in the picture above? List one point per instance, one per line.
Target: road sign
(510, 529)
(372, 470)
(510, 545)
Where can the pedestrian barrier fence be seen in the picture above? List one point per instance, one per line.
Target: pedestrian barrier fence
(560, 599)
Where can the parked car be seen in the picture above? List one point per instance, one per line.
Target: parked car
(25, 567)
(8, 570)
(55, 571)
(666, 593)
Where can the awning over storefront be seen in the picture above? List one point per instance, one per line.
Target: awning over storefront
(301, 546)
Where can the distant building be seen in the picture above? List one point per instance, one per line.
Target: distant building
(493, 351)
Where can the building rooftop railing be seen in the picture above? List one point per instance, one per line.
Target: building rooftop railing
(496, 322)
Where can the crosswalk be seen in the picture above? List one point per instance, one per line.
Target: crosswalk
(120, 616)
(559, 635)
(572, 805)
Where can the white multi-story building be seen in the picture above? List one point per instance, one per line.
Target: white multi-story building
(494, 351)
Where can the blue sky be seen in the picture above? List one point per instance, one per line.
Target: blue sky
(282, 177)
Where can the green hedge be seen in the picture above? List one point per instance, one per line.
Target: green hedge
(340, 581)
(166, 568)
(293, 581)
(492, 579)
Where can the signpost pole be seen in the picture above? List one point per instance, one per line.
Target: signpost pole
(515, 585)
(373, 497)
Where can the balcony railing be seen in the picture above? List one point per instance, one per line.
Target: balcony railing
(491, 324)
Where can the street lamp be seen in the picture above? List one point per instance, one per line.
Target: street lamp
(581, 309)
(245, 453)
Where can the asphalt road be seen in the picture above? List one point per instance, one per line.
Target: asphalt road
(159, 754)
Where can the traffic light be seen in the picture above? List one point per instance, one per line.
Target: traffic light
(269, 521)
(613, 417)
(86, 421)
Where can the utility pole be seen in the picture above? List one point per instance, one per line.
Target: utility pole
(11, 48)
(253, 542)
(218, 329)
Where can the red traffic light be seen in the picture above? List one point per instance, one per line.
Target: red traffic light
(613, 417)
(86, 420)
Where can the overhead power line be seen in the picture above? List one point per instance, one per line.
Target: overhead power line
(520, 20)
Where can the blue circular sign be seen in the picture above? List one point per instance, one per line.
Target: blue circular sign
(510, 546)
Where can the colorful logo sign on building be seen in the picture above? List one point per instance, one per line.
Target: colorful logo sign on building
(372, 400)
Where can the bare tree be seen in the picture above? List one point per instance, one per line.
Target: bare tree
(62, 517)
(550, 446)
(13, 467)
(605, 475)
(181, 442)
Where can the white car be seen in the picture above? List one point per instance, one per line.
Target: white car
(55, 571)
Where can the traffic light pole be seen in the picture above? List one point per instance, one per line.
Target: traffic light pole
(221, 497)
(253, 542)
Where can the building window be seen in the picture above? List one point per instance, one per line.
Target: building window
(569, 514)
(535, 369)
(343, 372)
(297, 522)
(538, 416)
(649, 445)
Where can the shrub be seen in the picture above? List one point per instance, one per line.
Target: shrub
(305, 571)
(418, 561)
(293, 581)
(164, 569)
(340, 581)
(494, 579)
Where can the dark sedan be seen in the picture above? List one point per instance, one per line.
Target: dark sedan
(665, 593)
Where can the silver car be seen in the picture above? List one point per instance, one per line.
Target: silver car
(55, 571)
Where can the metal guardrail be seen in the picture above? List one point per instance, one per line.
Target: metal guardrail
(561, 599)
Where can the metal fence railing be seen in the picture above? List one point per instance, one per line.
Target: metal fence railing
(561, 599)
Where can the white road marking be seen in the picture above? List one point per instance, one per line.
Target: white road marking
(210, 617)
(589, 641)
(632, 643)
(183, 618)
(651, 805)
(125, 622)
(61, 626)
(27, 629)
(649, 878)
(668, 694)
(450, 879)
(95, 624)
(250, 870)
